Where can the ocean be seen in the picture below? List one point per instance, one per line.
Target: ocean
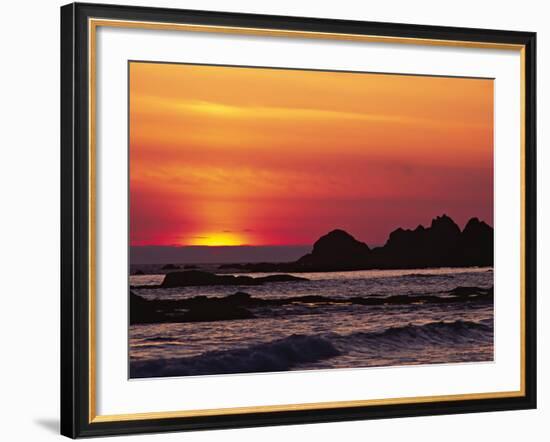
(370, 318)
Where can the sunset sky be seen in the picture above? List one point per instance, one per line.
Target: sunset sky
(234, 156)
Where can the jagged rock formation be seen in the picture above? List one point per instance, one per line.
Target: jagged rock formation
(442, 244)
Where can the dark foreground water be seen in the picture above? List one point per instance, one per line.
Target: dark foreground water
(324, 334)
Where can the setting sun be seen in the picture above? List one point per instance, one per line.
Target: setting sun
(217, 239)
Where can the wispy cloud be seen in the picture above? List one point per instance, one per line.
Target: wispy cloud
(150, 104)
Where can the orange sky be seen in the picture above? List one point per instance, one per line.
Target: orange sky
(230, 156)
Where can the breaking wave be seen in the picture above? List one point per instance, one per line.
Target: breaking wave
(432, 333)
(286, 353)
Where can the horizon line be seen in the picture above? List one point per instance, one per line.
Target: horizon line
(371, 245)
(220, 246)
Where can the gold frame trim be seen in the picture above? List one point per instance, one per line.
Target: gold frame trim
(92, 28)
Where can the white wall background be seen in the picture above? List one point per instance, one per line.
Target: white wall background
(29, 221)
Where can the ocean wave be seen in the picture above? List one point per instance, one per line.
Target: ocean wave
(431, 333)
(287, 353)
(278, 355)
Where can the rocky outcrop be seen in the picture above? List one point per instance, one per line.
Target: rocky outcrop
(197, 309)
(476, 245)
(422, 247)
(336, 250)
(242, 305)
(199, 278)
(442, 244)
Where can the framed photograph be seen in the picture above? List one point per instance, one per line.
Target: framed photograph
(275, 220)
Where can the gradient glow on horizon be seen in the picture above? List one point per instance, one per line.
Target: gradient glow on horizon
(234, 156)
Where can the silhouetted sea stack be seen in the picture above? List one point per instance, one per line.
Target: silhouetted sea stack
(336, 249)
(476, 245)
(442, 244)
(422, 247)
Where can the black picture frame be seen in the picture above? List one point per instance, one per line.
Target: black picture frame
(75, 219)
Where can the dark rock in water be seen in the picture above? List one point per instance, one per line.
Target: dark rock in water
(336, 249)
(139, 272)
(190, 267)
(141, 310)
(200, 278)
(442, 244)
(421, 247)
(476, 246)
(197, 309)
(208, 313)
(170, 267)
(239, 298)
(237, 306)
